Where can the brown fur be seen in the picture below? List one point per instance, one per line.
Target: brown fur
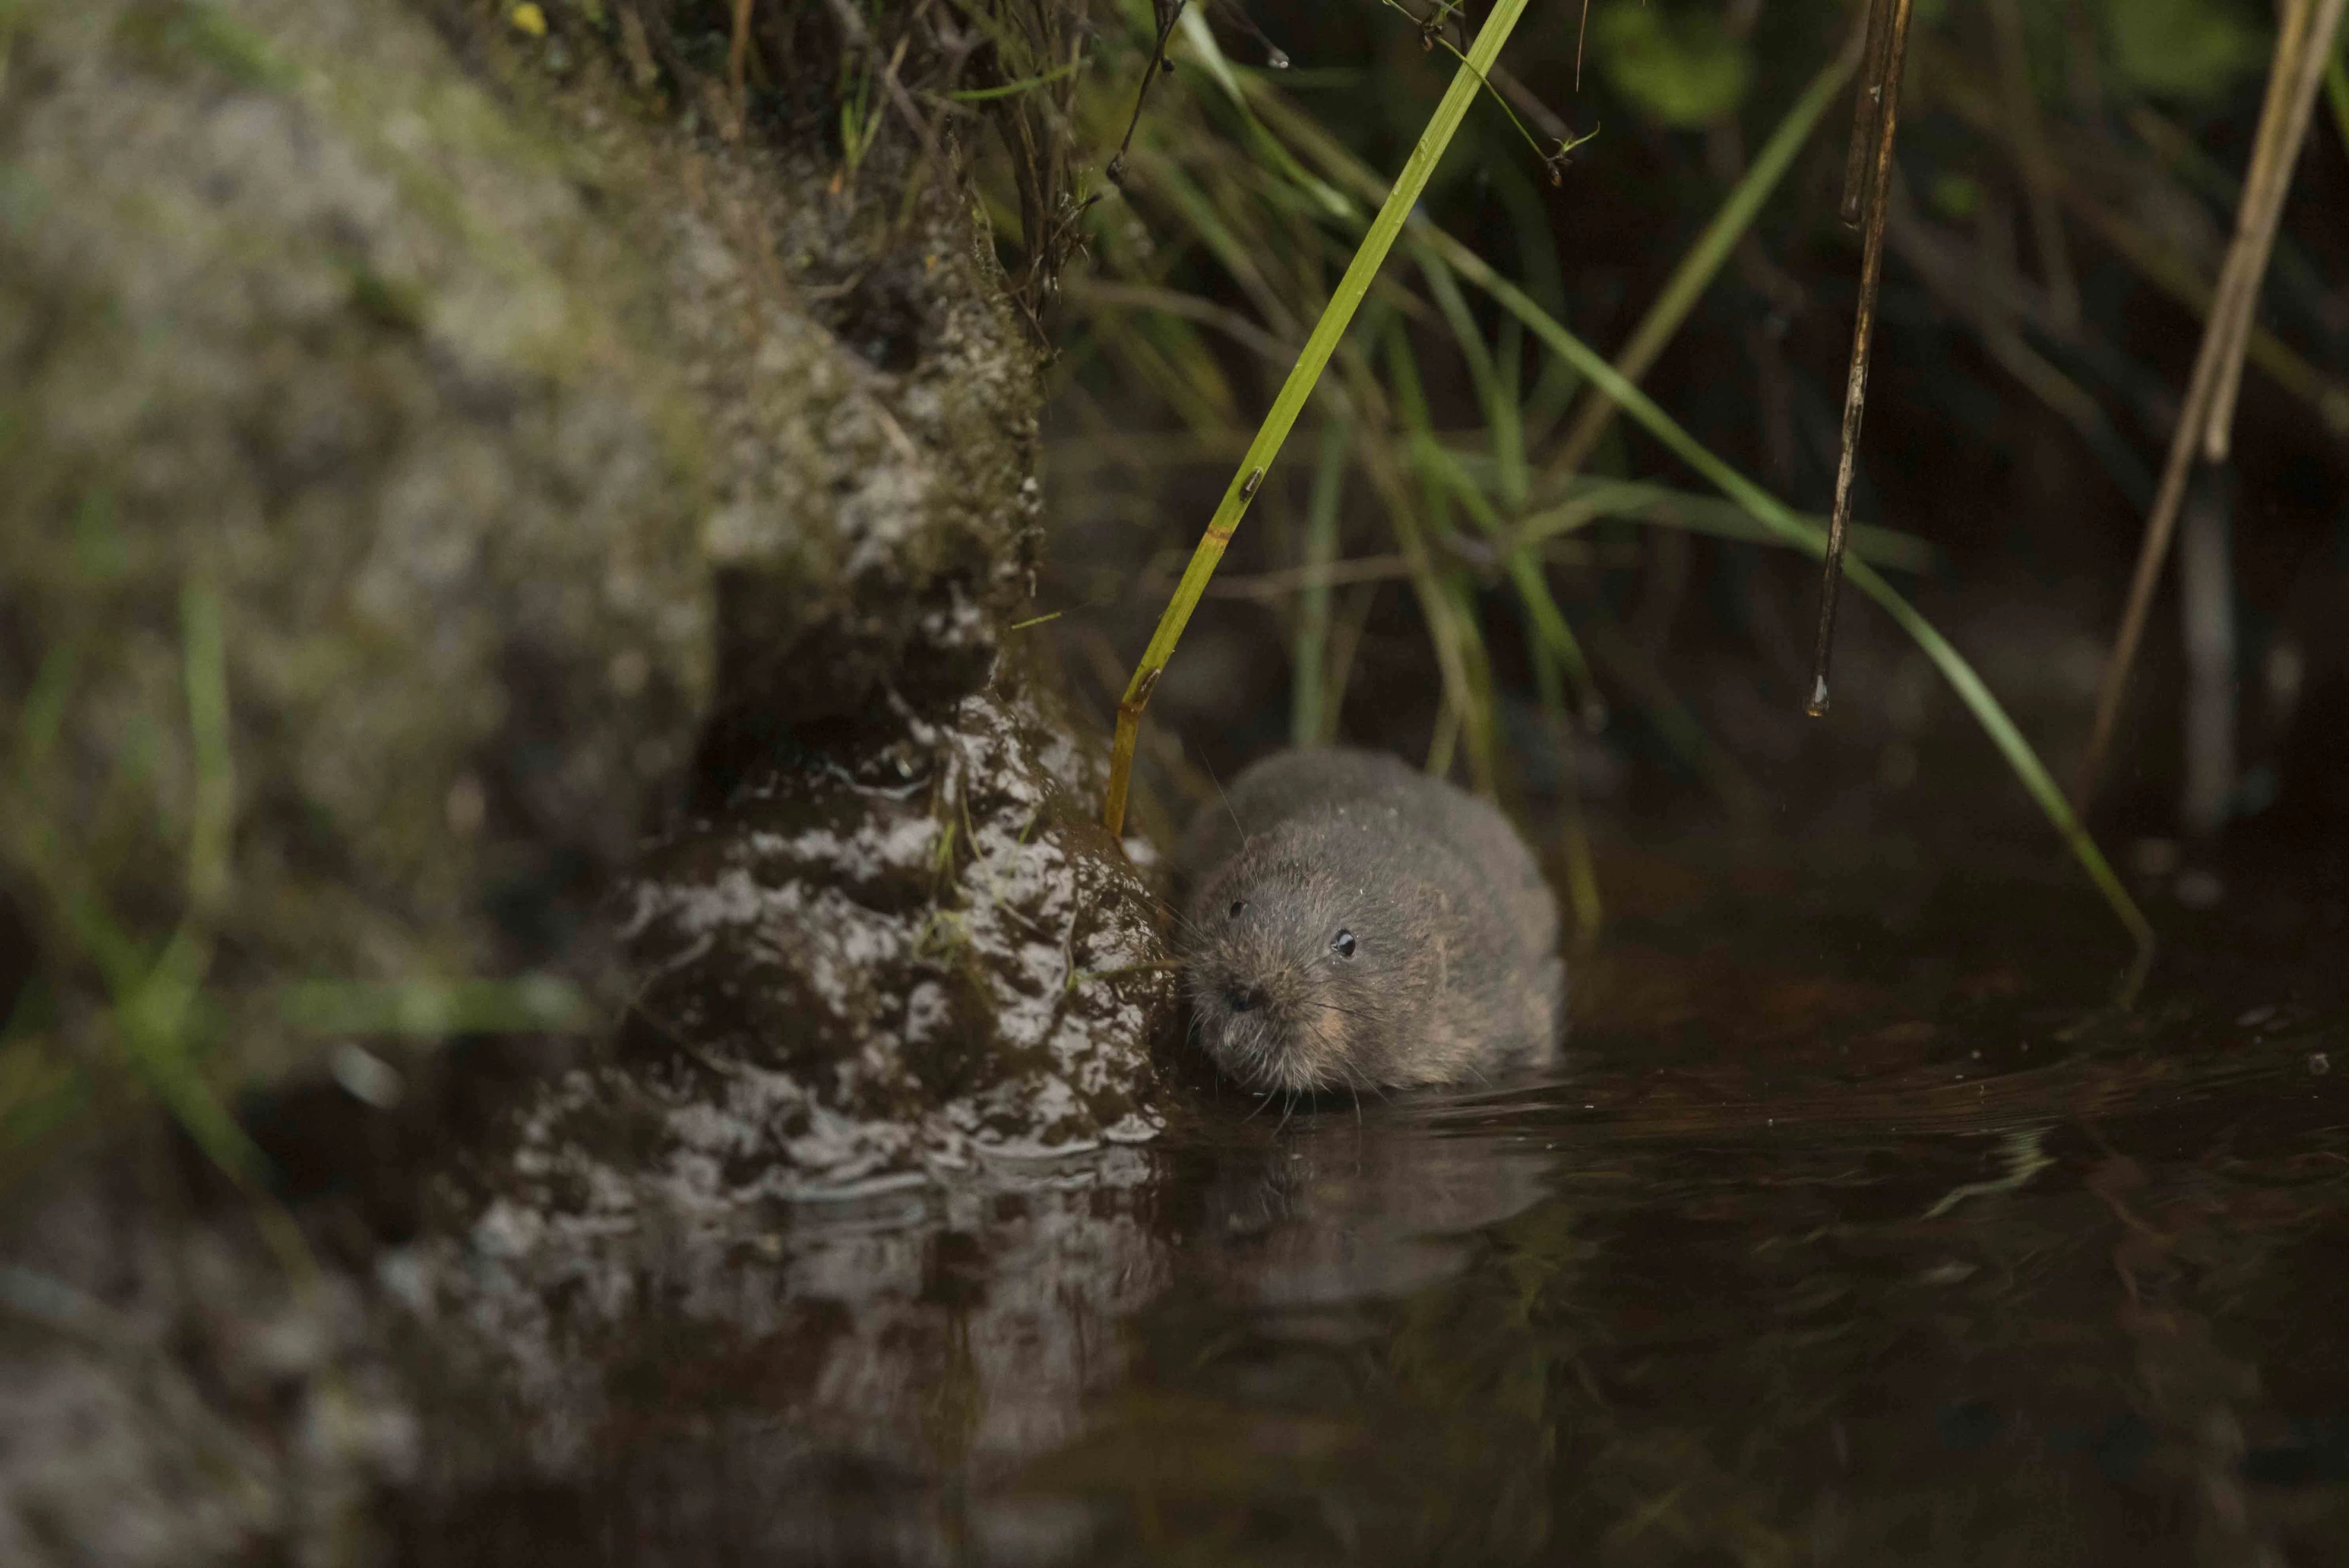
(1455, 973)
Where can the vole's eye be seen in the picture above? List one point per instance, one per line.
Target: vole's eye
(1342, 944)
(1237, 905)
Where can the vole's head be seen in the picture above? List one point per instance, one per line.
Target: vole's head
(1302, 966)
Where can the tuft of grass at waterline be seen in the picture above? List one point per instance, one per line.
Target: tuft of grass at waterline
(1395, 209)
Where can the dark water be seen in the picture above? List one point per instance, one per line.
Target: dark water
(1857, 1231)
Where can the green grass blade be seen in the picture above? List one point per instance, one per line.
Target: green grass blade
(1588, 500)
(1263, 143)
(1011, 90)
(1705, 258)
(1502, 419)
(1448, 597)
(431, 1009)
(1556, 636)
(43, 718)
(1395, 209)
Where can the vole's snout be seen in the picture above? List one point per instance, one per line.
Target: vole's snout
(1243, 998)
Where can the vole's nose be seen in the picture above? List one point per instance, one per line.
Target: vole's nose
(1240, 998)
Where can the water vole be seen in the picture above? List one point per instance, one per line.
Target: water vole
(1350, 923)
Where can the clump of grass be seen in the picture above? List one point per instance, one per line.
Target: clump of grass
(1272, 206)
(1319, 344)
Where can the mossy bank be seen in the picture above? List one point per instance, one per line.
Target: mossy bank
(506, 534)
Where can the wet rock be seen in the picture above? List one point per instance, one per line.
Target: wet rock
(896, 956)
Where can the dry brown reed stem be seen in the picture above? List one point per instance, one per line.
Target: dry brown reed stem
(2303, 44)
(2264, 193)
(1887, 117)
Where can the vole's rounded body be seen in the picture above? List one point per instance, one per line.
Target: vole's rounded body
(1351, 922)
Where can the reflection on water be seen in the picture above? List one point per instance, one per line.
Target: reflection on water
(1829, 1264)
(1343, 1208)
(852, 1382)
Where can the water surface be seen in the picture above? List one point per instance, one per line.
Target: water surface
(1857, 1229)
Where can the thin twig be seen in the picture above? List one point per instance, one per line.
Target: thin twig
(1887, 115)
(1158, 61)
(1310, 683)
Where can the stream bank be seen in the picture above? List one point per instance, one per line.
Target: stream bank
(509, 566)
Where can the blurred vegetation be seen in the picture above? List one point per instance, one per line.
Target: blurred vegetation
(2067, 178)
